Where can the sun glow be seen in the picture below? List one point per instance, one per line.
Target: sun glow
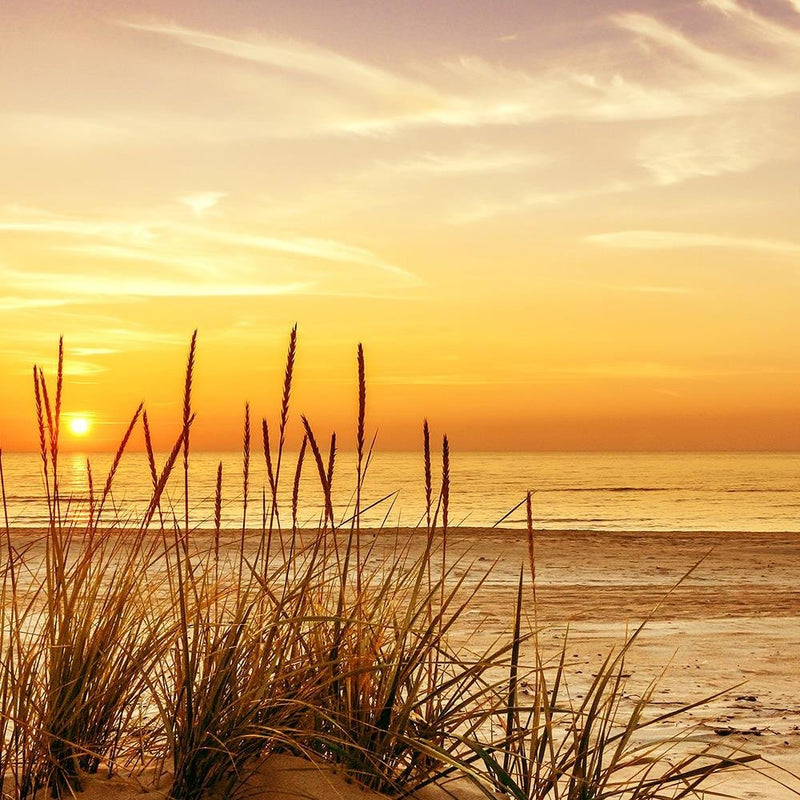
(79, 426)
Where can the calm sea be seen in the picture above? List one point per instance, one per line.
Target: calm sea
(584, 491)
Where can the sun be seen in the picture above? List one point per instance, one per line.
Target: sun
(79, 425)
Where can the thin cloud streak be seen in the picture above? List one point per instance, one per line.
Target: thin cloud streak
(485, 210)
(709, 148)
(321, 63)
(94, 285)
(11, 303)
(612, 370)
(432, 164)
(198, 261)
(75, 368)
(678, 290)
(149, 232)
(670, 240)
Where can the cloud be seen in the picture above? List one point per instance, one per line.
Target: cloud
(465, 163)
(601, 370)
(668, 240)
(287, 54)
(709, 97)
(202, 202)
(148, 236)
(190, 261)
(656, 370)
(63, 132)
(710, 148)
(487, 209)
(655, 289)
(308, 247)
(628, 369)
(304, 58)
(87, 337)
(52, 224)
(765, 28)
(735, 74)
(11, 303)
(302, 89)
(92, 284)
(201, 268)
(26, 357)
(678, 77)
(93, 351)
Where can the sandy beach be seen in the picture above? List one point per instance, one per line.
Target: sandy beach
(732, 623)
(730, 627)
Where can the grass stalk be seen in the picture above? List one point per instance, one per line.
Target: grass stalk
(118, 648)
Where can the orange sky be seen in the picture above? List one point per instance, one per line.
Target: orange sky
(552, 227)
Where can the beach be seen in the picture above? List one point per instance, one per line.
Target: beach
(731, 625)
(726, 630)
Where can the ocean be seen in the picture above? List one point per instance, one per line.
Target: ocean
(572, 491)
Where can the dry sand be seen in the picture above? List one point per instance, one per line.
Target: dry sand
(733, 624)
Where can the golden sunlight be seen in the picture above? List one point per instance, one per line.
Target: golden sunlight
(79, 425)
(399, 399)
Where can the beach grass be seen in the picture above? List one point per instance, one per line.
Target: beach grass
(146, 646)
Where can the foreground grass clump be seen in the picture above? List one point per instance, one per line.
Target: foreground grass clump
(145, 645)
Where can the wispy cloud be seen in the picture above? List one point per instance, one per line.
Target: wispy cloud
(712, 147)
(191, 261)
(202, 202)
(11, 303)
(292, 55)
(87, 335)
(627, 369)
(670, 240)
(64, 131)
(690, 78)
(736, 78)
(766, 28)
(46, 223)
(661, 370)
(645, 289)
(386, 89)
(465, 163)
(26, 357)
(78, 284)
(477, 211)
(146, 234)
(301, 89)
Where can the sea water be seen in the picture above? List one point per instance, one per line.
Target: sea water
(572, 491)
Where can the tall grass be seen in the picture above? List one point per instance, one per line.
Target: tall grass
(142, 644)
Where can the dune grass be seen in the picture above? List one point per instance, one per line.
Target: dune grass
(143, 644)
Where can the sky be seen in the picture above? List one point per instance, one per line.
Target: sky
(553, 226)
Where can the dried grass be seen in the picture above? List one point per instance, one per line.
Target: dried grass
(130, 647)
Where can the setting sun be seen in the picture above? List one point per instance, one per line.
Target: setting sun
(79, 426)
